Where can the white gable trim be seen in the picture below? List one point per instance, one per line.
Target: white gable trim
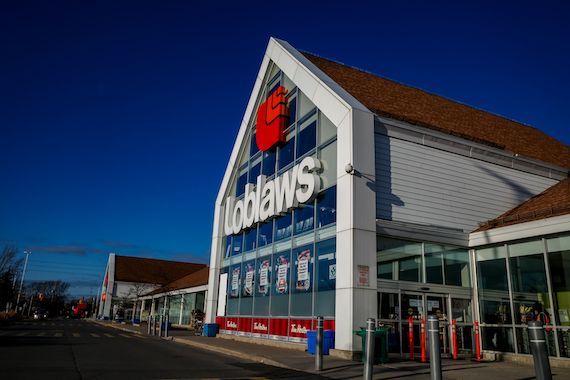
(535, 228)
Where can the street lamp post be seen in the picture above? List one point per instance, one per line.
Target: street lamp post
(22, 279)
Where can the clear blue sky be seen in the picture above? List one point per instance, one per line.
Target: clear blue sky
(117, 118)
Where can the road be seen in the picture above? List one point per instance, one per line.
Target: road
(77, 349)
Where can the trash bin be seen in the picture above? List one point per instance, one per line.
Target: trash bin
(210, 329)
(380, 344)
(328, 341)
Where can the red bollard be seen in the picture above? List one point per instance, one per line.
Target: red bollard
(477, 345)
(411, 336)
(454, 338)
(423, 338)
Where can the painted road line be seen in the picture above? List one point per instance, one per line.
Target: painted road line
(58, 335)
(140, 336)
(41, 333)
(76, 335)
(22, 333)
(109, 335)
(126, 336)
(95, 335)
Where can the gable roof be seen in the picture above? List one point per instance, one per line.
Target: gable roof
(553, 201)
(198, 278)
(152, 271)
(397, 101)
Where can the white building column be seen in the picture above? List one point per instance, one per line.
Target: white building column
(211, 299)
(356, 283)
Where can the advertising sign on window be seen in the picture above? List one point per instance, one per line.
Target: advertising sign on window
(264, 276)
(235, 282)
(303, 277)
(282, 265)
(249, 275)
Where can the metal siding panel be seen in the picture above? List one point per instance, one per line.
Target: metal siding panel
(420, 184)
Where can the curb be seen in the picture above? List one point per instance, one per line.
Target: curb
(115, 327)
(237, 354)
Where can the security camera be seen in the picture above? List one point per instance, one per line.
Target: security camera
(349, 169)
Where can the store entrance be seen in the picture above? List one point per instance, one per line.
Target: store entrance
(397, 309)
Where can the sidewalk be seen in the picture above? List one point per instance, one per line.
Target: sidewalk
(344, 369)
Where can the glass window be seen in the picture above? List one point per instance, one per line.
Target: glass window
(265, 233)
(307, 138)
(280, 294)
(328, 161)
(240, 186)
(248, 286)
(304, 218)
(326, 128)
(559, 261)
(326, 207)
(269, 163)
(237, 244)
(253, 148)
(234, 281)
(495, 309)
(174, 303)
(447, 265)
(254, 172)
(497, 339)
(302, 283)
(492, 268)
(305, 106)
(461, 310)
(283, 227)
(287, 151)
(325, 278)
(404, 256)
(228, 246)
(263, 286)
(292, 111)
(250, 241)
(385, 270)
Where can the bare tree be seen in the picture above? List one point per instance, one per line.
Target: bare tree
(10, 265)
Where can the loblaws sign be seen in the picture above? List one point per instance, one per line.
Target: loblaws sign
(299, 185)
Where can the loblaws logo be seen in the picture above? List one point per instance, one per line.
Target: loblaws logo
(272, 119)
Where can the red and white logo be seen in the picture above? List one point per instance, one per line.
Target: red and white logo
(272, 119)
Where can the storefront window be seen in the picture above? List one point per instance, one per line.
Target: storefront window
(234, 281)
(254, 172)
(241, 182)
(492, 268)
(304, 218)
(228, 246)
(174, 303)
(248, 286)
(265, 233)
(268, 160)
(399, 258)
(237, 241)
(326, 207)
(262, 286)
(283, 227)
(327, 155)
(497, 339)
(281, 281)
(253, 149)
(250, 241)
(325, 278)
(307, 138)
(292, 111)
(326, 128)
(287, 151)
(559, 258)
(447, 265)
(302, 282)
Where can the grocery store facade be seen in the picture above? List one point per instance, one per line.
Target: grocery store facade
(351, 196)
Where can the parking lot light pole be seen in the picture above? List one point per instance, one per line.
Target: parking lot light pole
(22, 279)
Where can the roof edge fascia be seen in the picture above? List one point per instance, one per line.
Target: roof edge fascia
(534, 228)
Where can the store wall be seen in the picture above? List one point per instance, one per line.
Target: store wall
(421, 184)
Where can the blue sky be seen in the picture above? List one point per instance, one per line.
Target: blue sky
(117, 118)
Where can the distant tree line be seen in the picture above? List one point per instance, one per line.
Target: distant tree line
(10, 266)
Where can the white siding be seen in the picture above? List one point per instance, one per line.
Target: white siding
(425, 185)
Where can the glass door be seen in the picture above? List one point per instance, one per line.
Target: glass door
(389, 316)
(437, 305)
(413, 307)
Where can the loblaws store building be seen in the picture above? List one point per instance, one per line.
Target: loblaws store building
(351, 196)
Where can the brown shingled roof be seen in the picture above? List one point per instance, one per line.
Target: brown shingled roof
(197, 278)
(553, 201)
(397, 101)
(152, 271)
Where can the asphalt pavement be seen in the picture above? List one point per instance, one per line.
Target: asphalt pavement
(76, 349)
